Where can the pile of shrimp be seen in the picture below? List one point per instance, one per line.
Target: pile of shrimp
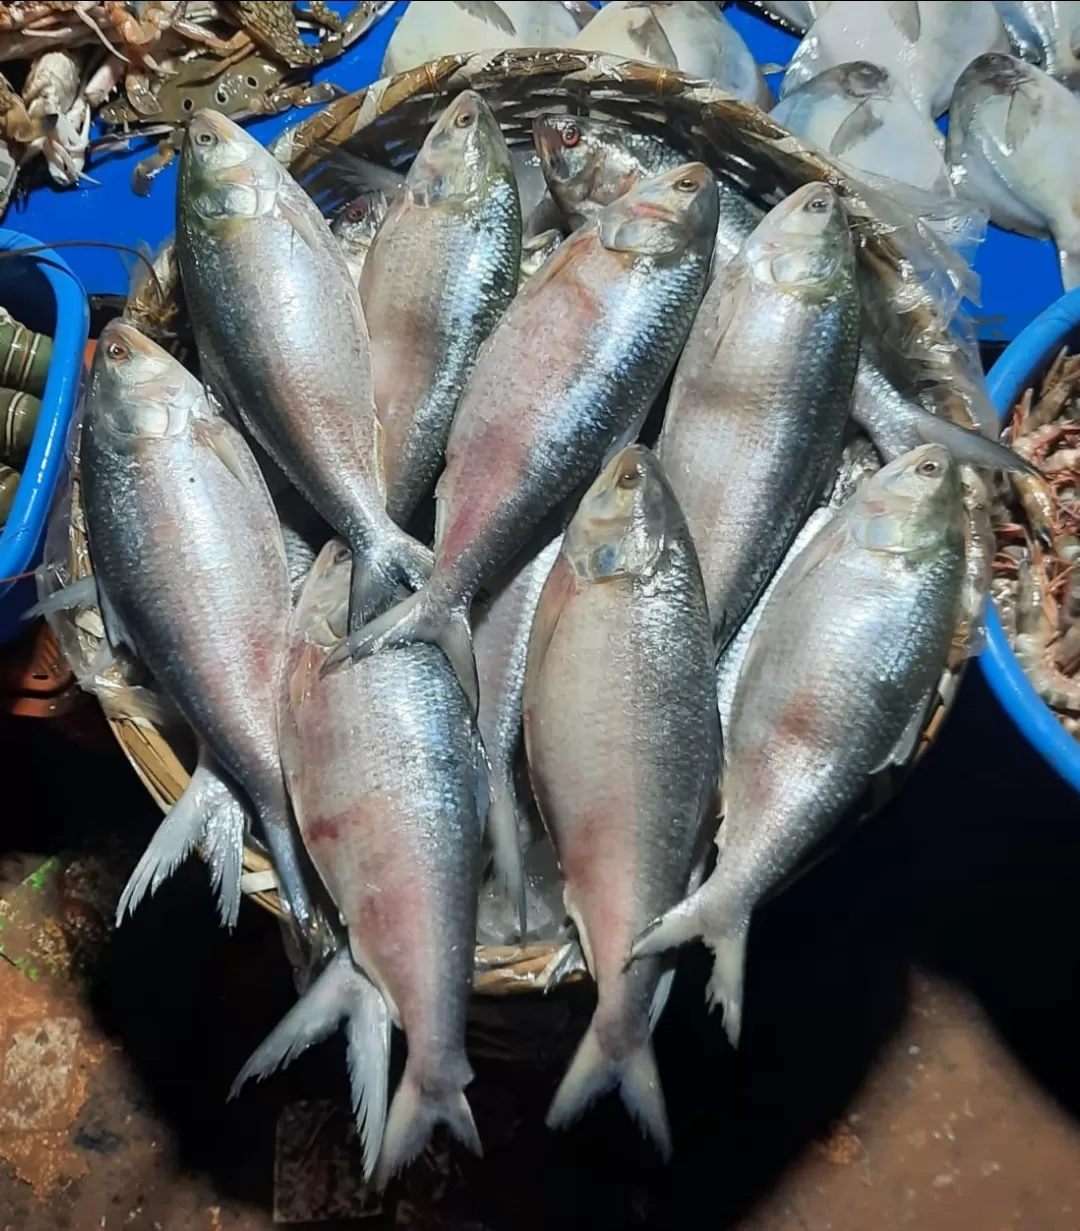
(1036, 583)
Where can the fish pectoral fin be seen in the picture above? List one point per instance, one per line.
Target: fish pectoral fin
(115, 632)
(301, 222)
(905, 746)
(1024, 111)
(81, 593)
(215, 437)
(568, 959)
(860, 124)
(502, 830)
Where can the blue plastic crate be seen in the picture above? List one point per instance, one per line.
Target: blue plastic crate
(41, 292)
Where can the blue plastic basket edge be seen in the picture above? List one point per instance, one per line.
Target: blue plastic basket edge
(1031, 351)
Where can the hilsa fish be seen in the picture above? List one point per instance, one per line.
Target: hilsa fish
(623, 742)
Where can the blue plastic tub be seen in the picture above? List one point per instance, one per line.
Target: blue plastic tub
(41, 292)
(1021, 365)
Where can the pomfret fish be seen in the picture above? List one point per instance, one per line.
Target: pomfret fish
(590, 163)
(356, 226)
(567, 375)
(924, 46)
(623, 743)
(444, 28)
(387, 777)
(755, 421)
(695, 38)
(1047, 33)
(190, 566)
(835, 687)
(501, 629)
(858, 115)
(1008, 126)
(282, 339)
(440, 272)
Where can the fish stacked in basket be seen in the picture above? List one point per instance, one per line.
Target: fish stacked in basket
(728, 639)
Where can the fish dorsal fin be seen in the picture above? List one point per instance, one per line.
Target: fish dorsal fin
(489, 13)
(1024, 111)
(905, 17)
(860, 124)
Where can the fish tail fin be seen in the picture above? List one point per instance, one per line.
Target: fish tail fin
(340, 994)
(285, 854)
(723, 925)
(969, 446)
(423, 616)
(385, 573)
(414, 1114)
(502, 826)
(594, 1071)
(206, 812)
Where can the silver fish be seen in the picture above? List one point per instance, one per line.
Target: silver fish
(695, 38)
(590, 163)
(501, 628)
(897, 424)
(925, 46)
(442, 269)
(755, 421)
(356, 226)
(568, 375)
(835, 687)
(190, 567)
(1047, 33)
(857, 114)
(795, 16)
(444, 28)
(1008, 126)
(387, 776)
(623, 743)
(282, 338)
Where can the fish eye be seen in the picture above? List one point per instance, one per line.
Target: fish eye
(571, 135)
(628, 479)
(817, 205)
(117, 351)
(687, 184)
(204, 138)
(929, 468)
(464, 119)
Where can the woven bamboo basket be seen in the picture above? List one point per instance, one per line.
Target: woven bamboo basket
(387, 123)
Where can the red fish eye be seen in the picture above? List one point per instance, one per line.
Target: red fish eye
(117, 351)
(571, 135)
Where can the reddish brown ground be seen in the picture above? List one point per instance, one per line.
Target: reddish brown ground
(909, 1059)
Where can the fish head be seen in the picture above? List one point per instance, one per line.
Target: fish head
(138, 391)
(859, 79)
(665, 215)
(225, 173)
(620, 527)
(912, 506)
(321, 615)
(987, 76)
(361, 218)
(463, 156)
(585, 162)
(804, 244)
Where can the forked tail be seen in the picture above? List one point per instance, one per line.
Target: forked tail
(594, 1071)
(418, 1107)
(723, 926)
(341, 994)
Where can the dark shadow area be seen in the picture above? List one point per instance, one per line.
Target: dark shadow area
(973, 872)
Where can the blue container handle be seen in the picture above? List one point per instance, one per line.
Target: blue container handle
(26, 520)
(1023, 361)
